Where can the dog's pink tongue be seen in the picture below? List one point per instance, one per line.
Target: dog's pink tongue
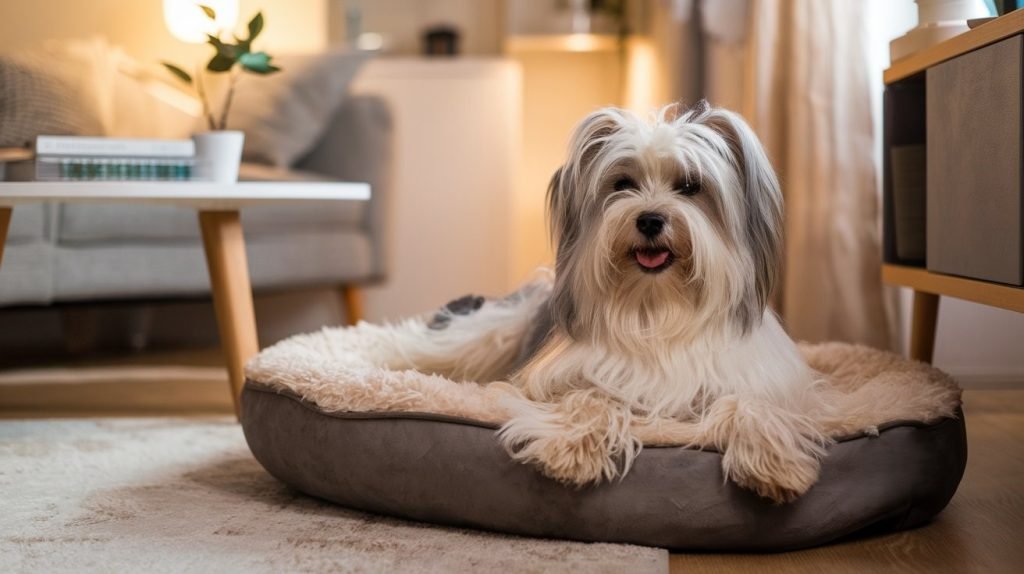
(651, 260)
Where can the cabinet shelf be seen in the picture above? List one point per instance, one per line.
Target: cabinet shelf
(918, 279)
(988, 33)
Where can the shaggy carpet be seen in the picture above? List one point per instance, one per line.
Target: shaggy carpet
(171, 495)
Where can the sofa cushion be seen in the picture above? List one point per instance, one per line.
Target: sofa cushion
(44, 94)
(120, 223)
(357, 146)
(27, 274)
(129, 223)
(28, 223)
(284, 115)
(109, 271)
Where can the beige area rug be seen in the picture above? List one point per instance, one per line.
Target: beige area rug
(176, 495)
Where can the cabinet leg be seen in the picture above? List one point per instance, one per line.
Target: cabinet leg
(922, 331)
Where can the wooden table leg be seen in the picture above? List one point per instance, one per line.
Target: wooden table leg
(922, 331)
(232, 292)
(5, 222)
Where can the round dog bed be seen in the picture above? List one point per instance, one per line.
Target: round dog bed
(339, 415)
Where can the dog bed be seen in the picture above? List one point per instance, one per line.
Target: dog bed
(339, 415)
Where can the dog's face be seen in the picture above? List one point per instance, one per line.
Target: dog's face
(664, 228)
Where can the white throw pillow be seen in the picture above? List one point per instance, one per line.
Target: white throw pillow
(283, 115)
(136, 99)
(89, 87)
(44, 92)
(148, 104)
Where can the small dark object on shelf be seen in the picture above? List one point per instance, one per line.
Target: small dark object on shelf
(441, 40)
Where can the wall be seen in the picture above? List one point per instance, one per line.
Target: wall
(457, 125)
(138, 25)
(559, 89)
(549, 112)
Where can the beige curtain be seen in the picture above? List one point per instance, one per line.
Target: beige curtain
(807, 95)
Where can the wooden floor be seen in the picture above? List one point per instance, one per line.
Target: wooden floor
(192, 382)
(982, 530)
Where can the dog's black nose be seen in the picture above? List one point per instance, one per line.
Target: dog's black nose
(650, 224)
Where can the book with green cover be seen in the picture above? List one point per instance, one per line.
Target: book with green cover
(112, 169)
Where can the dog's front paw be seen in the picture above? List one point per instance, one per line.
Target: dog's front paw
(567, 460)
(772, 452)
(785, 482)
(580, 440)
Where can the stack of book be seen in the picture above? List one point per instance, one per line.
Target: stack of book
(111, 159)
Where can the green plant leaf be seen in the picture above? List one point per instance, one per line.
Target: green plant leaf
(257, 63)
(208, 11)
(255, 26)
(178, 72)
(255, 60)
(222, 48)
(220, 63)
(242, 46)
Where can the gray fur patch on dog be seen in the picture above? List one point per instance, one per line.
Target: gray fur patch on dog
(465, 305)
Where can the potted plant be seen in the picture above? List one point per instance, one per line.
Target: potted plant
(219, 150)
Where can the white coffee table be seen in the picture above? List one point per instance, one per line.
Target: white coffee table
(218, 206)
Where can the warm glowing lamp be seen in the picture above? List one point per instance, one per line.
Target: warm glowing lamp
(187, 22)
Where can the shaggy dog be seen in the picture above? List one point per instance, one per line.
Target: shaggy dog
(668, 237)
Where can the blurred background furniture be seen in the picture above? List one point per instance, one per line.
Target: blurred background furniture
(746, 55)
(89, 255)
(218, 206)
(61, 253)
(960, 100)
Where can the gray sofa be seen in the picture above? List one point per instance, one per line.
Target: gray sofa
(99, 252)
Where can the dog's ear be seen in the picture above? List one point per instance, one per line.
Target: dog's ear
(762, 200)
(567, 193)
(558, 210)
(564, 226)
(569, 200)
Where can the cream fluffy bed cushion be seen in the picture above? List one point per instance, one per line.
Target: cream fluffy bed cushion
(322, 414)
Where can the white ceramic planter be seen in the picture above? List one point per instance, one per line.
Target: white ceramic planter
(938, 20)
(218, 155)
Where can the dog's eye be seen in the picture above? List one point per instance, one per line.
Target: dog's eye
(624, 183)
(687, 187)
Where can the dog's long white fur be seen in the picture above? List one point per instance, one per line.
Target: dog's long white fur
(694, 341)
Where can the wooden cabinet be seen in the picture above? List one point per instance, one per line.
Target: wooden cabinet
(960, 99)
(974, 133)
